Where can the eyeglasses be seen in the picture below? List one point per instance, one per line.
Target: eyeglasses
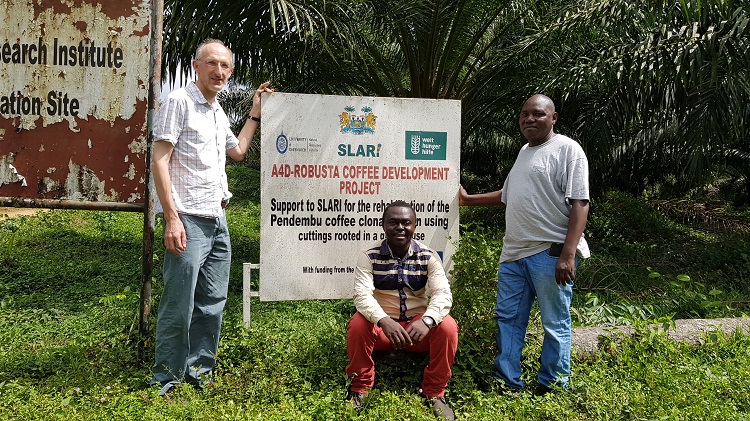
(215, 64)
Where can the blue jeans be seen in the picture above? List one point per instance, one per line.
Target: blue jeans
(519, 283)
(190, 309)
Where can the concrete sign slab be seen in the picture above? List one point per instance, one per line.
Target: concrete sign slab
(330, 164)
(74, 82)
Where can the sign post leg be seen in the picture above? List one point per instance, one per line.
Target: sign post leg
(247, 292)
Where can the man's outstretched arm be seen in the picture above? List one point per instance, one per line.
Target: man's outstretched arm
(494, 198)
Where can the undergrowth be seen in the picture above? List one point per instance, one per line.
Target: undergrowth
(69, 314)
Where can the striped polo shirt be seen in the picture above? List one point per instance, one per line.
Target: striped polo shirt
(401, 288)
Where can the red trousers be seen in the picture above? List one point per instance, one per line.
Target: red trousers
(363, 337)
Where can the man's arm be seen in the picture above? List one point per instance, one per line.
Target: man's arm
(494, 198)
(566, 265)
(248, 130)
(441, 299)
(175, 239)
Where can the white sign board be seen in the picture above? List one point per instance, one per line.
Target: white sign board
(329, 166)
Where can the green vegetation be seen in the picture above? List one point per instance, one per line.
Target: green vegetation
(69, 313)
(656, 92)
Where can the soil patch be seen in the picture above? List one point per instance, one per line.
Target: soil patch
(6, 212)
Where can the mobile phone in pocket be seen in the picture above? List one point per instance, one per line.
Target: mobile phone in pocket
(556, 249)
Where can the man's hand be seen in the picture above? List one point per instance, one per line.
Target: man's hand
(395, 333)
(462, 195)
(565, 271)
(417, 331)
(262, 89)
(175, 239)
(245, 136)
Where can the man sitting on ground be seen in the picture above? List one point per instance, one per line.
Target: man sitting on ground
(392, 280)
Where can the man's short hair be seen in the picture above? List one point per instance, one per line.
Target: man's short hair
(199, 50)
(396, 204)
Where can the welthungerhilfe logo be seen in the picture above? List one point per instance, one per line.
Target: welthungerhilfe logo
(426, 145)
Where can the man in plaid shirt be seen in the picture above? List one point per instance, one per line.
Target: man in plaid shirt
(192, 139)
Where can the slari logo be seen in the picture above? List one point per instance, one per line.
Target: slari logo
(426, 145)
(367, 151)
(357, 124)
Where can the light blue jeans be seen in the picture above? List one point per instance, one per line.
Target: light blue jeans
(519, 283)
(190, 309)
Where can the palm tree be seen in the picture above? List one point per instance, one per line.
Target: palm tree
(657, 91)
(266, 36)
(479, 52)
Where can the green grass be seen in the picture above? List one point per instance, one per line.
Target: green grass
(69, 283)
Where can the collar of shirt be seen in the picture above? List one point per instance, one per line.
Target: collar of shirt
(197, 96)
(385, 250)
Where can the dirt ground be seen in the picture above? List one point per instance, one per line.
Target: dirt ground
(11, 212)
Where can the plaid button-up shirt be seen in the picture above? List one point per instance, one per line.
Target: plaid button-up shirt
(201, 135)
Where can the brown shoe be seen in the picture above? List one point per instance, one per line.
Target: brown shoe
(441, 409)
(356, 400)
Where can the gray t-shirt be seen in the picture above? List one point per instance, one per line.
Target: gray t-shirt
(536, 193)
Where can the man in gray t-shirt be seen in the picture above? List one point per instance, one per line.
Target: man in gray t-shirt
(546, 195)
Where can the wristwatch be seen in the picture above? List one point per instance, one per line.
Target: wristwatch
(429, 322)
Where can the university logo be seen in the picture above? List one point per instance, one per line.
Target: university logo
(357, 124)
(282, 143)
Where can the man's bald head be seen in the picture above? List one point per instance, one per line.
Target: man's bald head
(537, 119)
(542, 100)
